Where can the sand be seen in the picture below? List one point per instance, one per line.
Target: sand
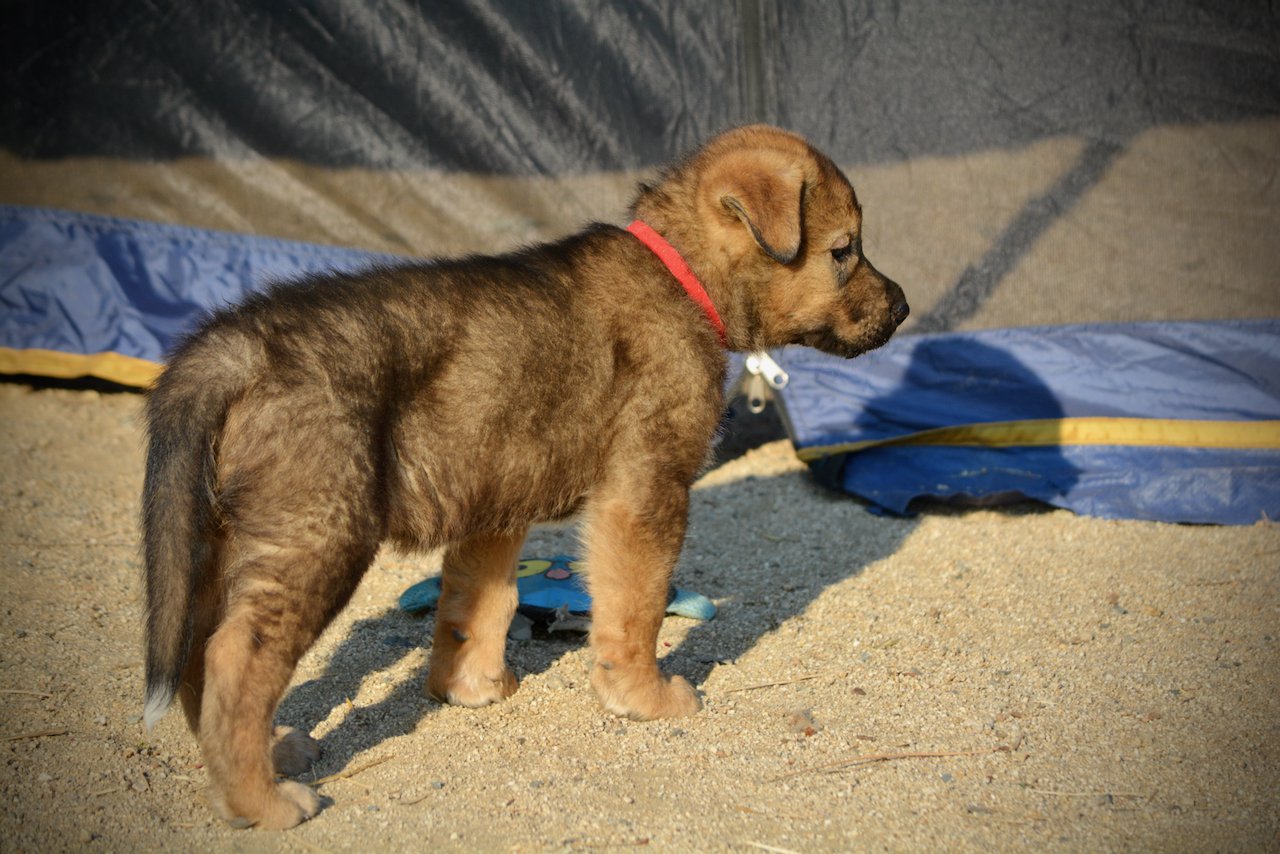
(1012, 679)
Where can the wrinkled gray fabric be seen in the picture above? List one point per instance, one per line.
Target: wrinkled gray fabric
(519, 88)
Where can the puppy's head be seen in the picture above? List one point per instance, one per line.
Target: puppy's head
(776, 232)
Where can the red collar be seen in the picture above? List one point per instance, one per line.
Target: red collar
(671, 258)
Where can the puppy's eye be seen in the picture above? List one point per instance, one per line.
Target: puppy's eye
(842, 253)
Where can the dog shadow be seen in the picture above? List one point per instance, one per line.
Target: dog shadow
(374, 649)
(780, 559)
(761, 566)
(763, 548)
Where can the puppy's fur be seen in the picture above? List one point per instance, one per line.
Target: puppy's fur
(454, 404)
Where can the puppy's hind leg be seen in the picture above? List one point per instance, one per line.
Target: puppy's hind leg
(477, 602)
(292, 752)
(283, 599)
(207, 607)
(633, 537)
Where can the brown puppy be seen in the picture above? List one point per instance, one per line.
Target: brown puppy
(454, 404)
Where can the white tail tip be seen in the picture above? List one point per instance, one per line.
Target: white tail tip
(158, 702)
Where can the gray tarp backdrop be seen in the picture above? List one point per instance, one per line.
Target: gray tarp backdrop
(1019, 163)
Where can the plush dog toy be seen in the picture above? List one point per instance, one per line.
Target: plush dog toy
(547, 586)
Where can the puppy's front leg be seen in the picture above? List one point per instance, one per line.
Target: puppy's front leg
(477, 602)
(632, 538)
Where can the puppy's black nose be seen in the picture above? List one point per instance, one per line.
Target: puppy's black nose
(900, 311)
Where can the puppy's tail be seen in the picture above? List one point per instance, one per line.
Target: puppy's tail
(185, 413)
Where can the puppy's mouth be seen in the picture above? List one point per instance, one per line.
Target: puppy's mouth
(828, 341)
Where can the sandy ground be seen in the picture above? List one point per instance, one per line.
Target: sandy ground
(1020, 679)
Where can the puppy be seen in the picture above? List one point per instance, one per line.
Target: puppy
(453, 404)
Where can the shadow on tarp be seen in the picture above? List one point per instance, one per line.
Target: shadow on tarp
(944, 385)
(1173, 422)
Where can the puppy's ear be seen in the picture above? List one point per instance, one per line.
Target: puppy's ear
(763, 189)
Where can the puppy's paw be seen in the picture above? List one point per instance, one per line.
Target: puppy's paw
(294, 803)
(286, 804)
(644, 698)
(472, 690)
(293, 752)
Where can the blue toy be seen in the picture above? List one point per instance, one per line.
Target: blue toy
(547, 586)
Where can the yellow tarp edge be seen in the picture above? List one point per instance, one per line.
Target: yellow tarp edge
(126, 370)
(1157, 432)
(131, 371)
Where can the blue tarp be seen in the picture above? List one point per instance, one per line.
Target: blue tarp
(1168, 421)
(82, 284)
(1176, 422)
